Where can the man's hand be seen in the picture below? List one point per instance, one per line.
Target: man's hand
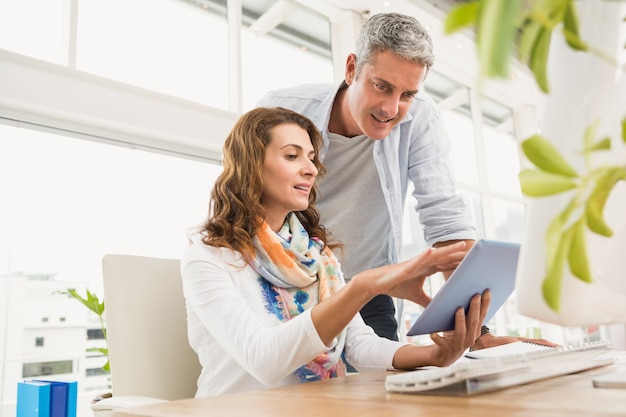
(420, 297)
(489, 340)
(468, 246)
(406, 279)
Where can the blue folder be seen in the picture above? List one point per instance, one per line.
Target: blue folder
(33, 399)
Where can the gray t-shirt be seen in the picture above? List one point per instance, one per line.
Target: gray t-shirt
(349, 195)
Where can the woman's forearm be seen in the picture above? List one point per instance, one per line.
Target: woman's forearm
(331, 316)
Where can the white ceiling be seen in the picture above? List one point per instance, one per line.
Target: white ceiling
(307, 23)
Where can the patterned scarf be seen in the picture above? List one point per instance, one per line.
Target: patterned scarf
(296, 273)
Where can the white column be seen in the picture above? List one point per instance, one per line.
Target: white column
(235, 102)
(344, 30)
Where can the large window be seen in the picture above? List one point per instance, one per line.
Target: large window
(463, 152)
(35, 28)
(162, 45)
(265, 70)
(70, 196)
(70, 201)
(177, 47)
(66, 203)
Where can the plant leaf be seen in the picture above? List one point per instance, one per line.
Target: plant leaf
(570, 28)
(103, 351)
(577, 257)
(495, 35)
(535, 183)
(553, 236)
(546, 157)
(94, 303)
(603, 144)
(91, 302)
(527, 39)
(551, 287)
(624, 123)
(574, 41)
(461, 17)
(588, 142)
(590, 134)
(594, 209)
(538, 62)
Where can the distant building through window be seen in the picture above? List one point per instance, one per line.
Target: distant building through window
(95, 372)
(30, 370)
(95, 334)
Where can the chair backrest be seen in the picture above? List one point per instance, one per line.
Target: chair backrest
(146, 324)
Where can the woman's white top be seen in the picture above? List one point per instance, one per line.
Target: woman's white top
(243, 347)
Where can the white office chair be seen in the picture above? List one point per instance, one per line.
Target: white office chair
(146, 319)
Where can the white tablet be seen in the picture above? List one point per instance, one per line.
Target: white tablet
(490, 264)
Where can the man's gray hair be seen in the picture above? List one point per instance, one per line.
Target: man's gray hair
(398, 33)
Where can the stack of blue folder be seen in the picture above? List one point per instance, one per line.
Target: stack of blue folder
(46, 398)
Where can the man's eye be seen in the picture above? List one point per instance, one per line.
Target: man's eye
(381, 87)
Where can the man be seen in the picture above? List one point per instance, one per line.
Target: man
(380, 131)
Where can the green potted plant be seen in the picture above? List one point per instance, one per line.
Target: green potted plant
(95, 305)
(576, 180)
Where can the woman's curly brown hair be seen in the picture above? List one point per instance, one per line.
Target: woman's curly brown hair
(235, 210)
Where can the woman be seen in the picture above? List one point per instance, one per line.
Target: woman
(266, 300)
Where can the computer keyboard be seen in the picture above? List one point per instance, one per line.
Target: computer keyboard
(473, 376)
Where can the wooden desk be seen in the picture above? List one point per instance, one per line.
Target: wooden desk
(365, 395)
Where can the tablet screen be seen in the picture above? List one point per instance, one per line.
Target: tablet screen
(490, 264)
